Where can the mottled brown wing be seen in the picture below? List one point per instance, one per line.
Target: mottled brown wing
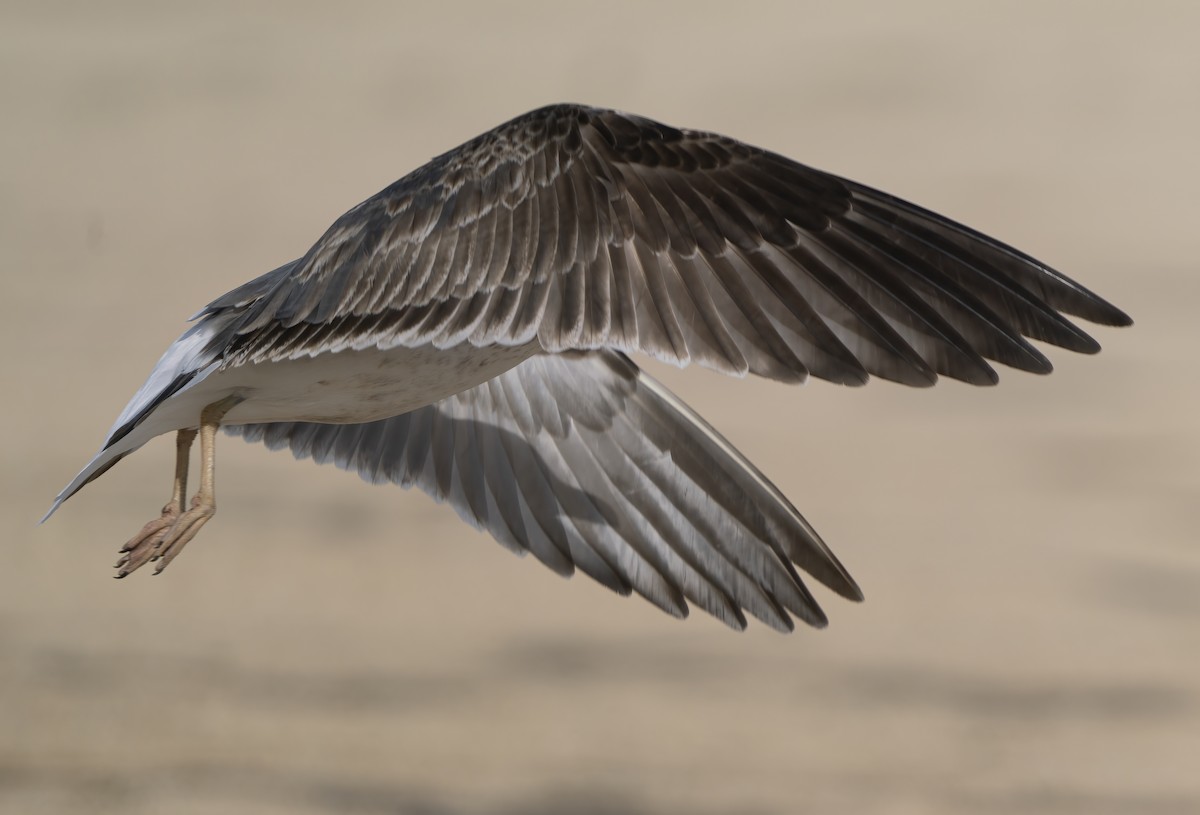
(589, 228)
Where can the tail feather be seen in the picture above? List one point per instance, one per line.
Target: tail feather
(186, 361)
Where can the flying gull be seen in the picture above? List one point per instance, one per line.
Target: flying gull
(466, 331)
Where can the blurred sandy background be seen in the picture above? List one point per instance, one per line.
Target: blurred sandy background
(1031, 637)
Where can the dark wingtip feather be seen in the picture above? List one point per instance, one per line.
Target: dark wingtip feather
(1114, 316)
(814, 618)
(984, 377)
(855, 593)
(1082, 302)
(846, 587)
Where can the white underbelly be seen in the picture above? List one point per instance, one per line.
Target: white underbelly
(349, 387)
(346, 387)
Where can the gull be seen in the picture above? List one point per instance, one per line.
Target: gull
(467, 331)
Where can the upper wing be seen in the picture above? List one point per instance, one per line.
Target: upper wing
(586, 461)
(589, 228)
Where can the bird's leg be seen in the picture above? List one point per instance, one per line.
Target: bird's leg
(164, 538)
(142, 546)
(204, 505)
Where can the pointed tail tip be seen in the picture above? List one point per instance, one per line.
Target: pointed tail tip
(98, 466)
(53, 508)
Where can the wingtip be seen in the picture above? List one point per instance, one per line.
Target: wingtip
(1118, 319)
(844, 586)
(837, 578)
(816, 618)
(1095, 309)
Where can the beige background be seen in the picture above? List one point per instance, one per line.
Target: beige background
(1031, 639)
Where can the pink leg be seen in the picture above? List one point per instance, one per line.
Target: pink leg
(142, 546)
(163, 539)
